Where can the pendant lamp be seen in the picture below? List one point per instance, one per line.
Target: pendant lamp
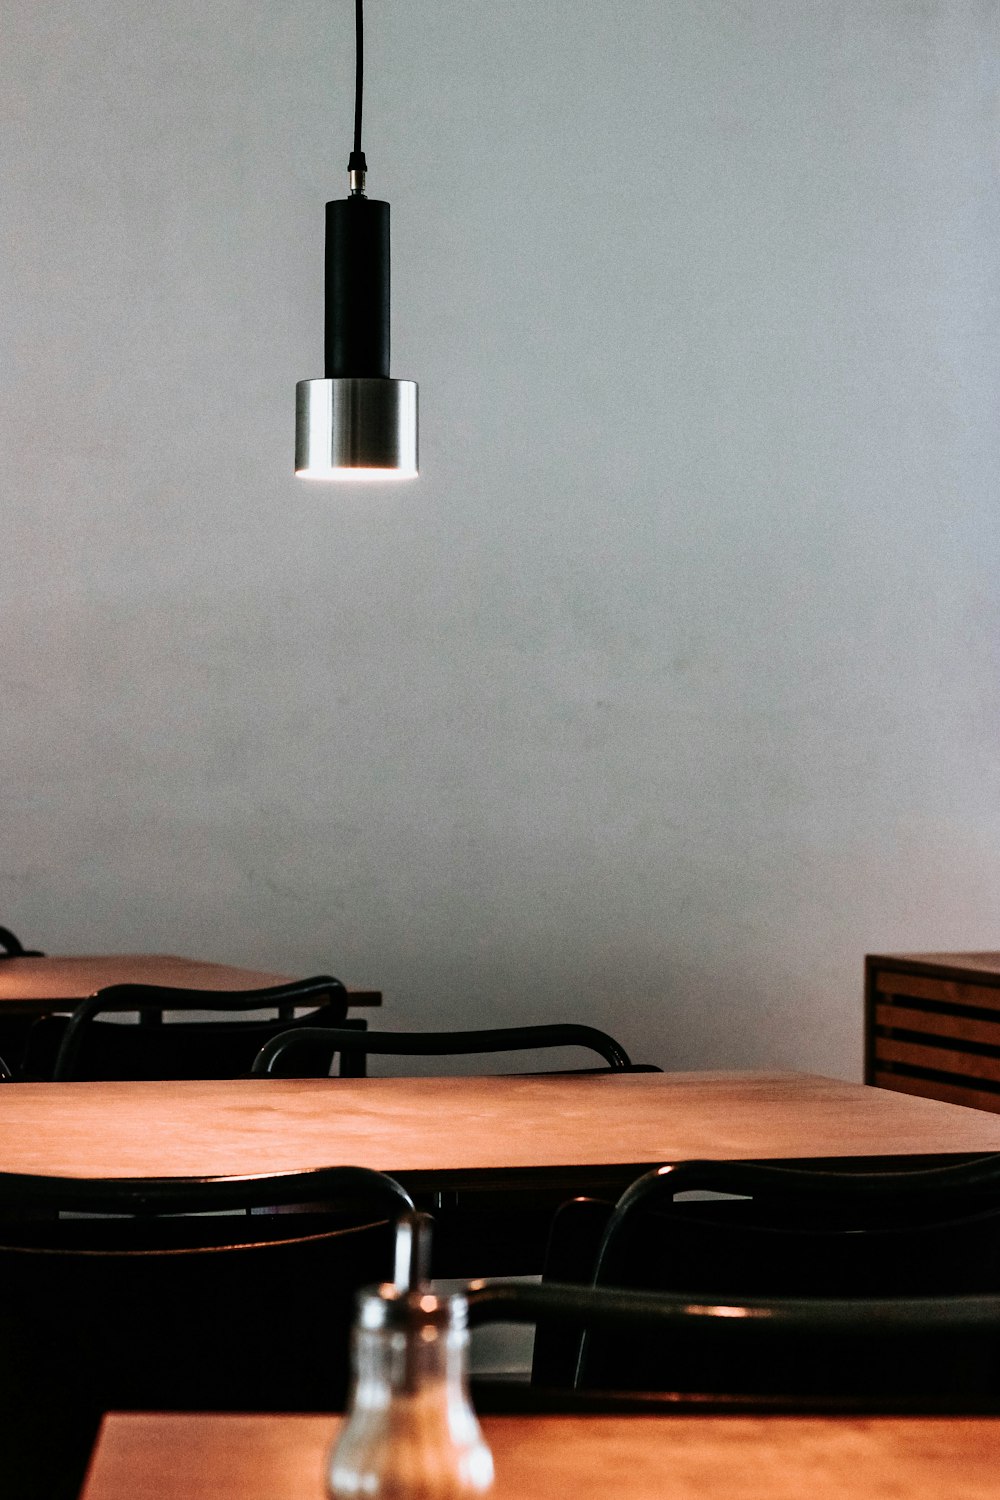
(356, 423)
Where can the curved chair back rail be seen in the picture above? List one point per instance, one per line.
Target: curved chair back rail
(756, 1178)
(937, 1350)
(794, 1231)
(879, 1210)
(155, 999)
(606, 1307)
(449, 1043)
(24, 1192)
(13, 948)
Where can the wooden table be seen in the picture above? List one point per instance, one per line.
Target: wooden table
(36, 986)
(436, 1133)
(182, 1457)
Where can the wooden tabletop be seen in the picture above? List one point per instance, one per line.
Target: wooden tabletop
(190, 1457)
(455, 1131)
(33, 986)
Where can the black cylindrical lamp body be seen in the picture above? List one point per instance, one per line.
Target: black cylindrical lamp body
(357, 422)
(357, 288)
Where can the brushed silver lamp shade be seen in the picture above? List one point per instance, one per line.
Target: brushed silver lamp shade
(356, 428)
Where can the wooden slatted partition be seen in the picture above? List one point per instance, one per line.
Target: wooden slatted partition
(932, 1026)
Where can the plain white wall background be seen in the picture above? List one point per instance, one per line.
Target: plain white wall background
(671, 687)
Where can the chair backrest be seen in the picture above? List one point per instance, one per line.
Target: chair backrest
(779, 1354)
(185, 1306)
(276, 1054)
(6, 1076)
(82, 1047)
(793, 1232)
(797, 1231)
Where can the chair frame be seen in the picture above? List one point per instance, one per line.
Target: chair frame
(152, 1196)
(452, 1043)
(613, 1307)
(158, 1282)
(150, 1001)
(666, 1314)
(949, 1186)
(591, 1240)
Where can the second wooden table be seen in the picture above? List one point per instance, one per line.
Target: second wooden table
(442, 1133)
(36, 986)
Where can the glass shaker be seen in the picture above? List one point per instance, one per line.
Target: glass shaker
(410, 1432)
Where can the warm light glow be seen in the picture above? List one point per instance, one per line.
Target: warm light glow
(722, 1312)
(355, 474)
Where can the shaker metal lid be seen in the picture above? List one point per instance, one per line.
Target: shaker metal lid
(386, 1306)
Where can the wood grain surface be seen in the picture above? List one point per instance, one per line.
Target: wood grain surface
(190, 1457)
(982, 992)
(468, 1127)
(34, 985)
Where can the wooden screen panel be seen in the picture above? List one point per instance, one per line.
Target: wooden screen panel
(943, 991)
(937, 1036)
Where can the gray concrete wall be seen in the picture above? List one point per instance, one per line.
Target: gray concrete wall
(671, 687)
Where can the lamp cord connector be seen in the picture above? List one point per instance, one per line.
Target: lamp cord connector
(357, 169)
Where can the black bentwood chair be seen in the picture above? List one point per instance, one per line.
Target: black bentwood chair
(684, 1353)
(275, 1056)
(80, 1046)
(183, 1305)
(479, 1232)
(793, 1231)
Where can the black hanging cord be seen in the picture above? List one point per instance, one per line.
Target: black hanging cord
(359, 70)
(357, 162)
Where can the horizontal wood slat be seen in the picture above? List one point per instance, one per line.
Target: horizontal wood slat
(934, 1088)
(920, 987)
(936, 1023)
(944, 1059)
